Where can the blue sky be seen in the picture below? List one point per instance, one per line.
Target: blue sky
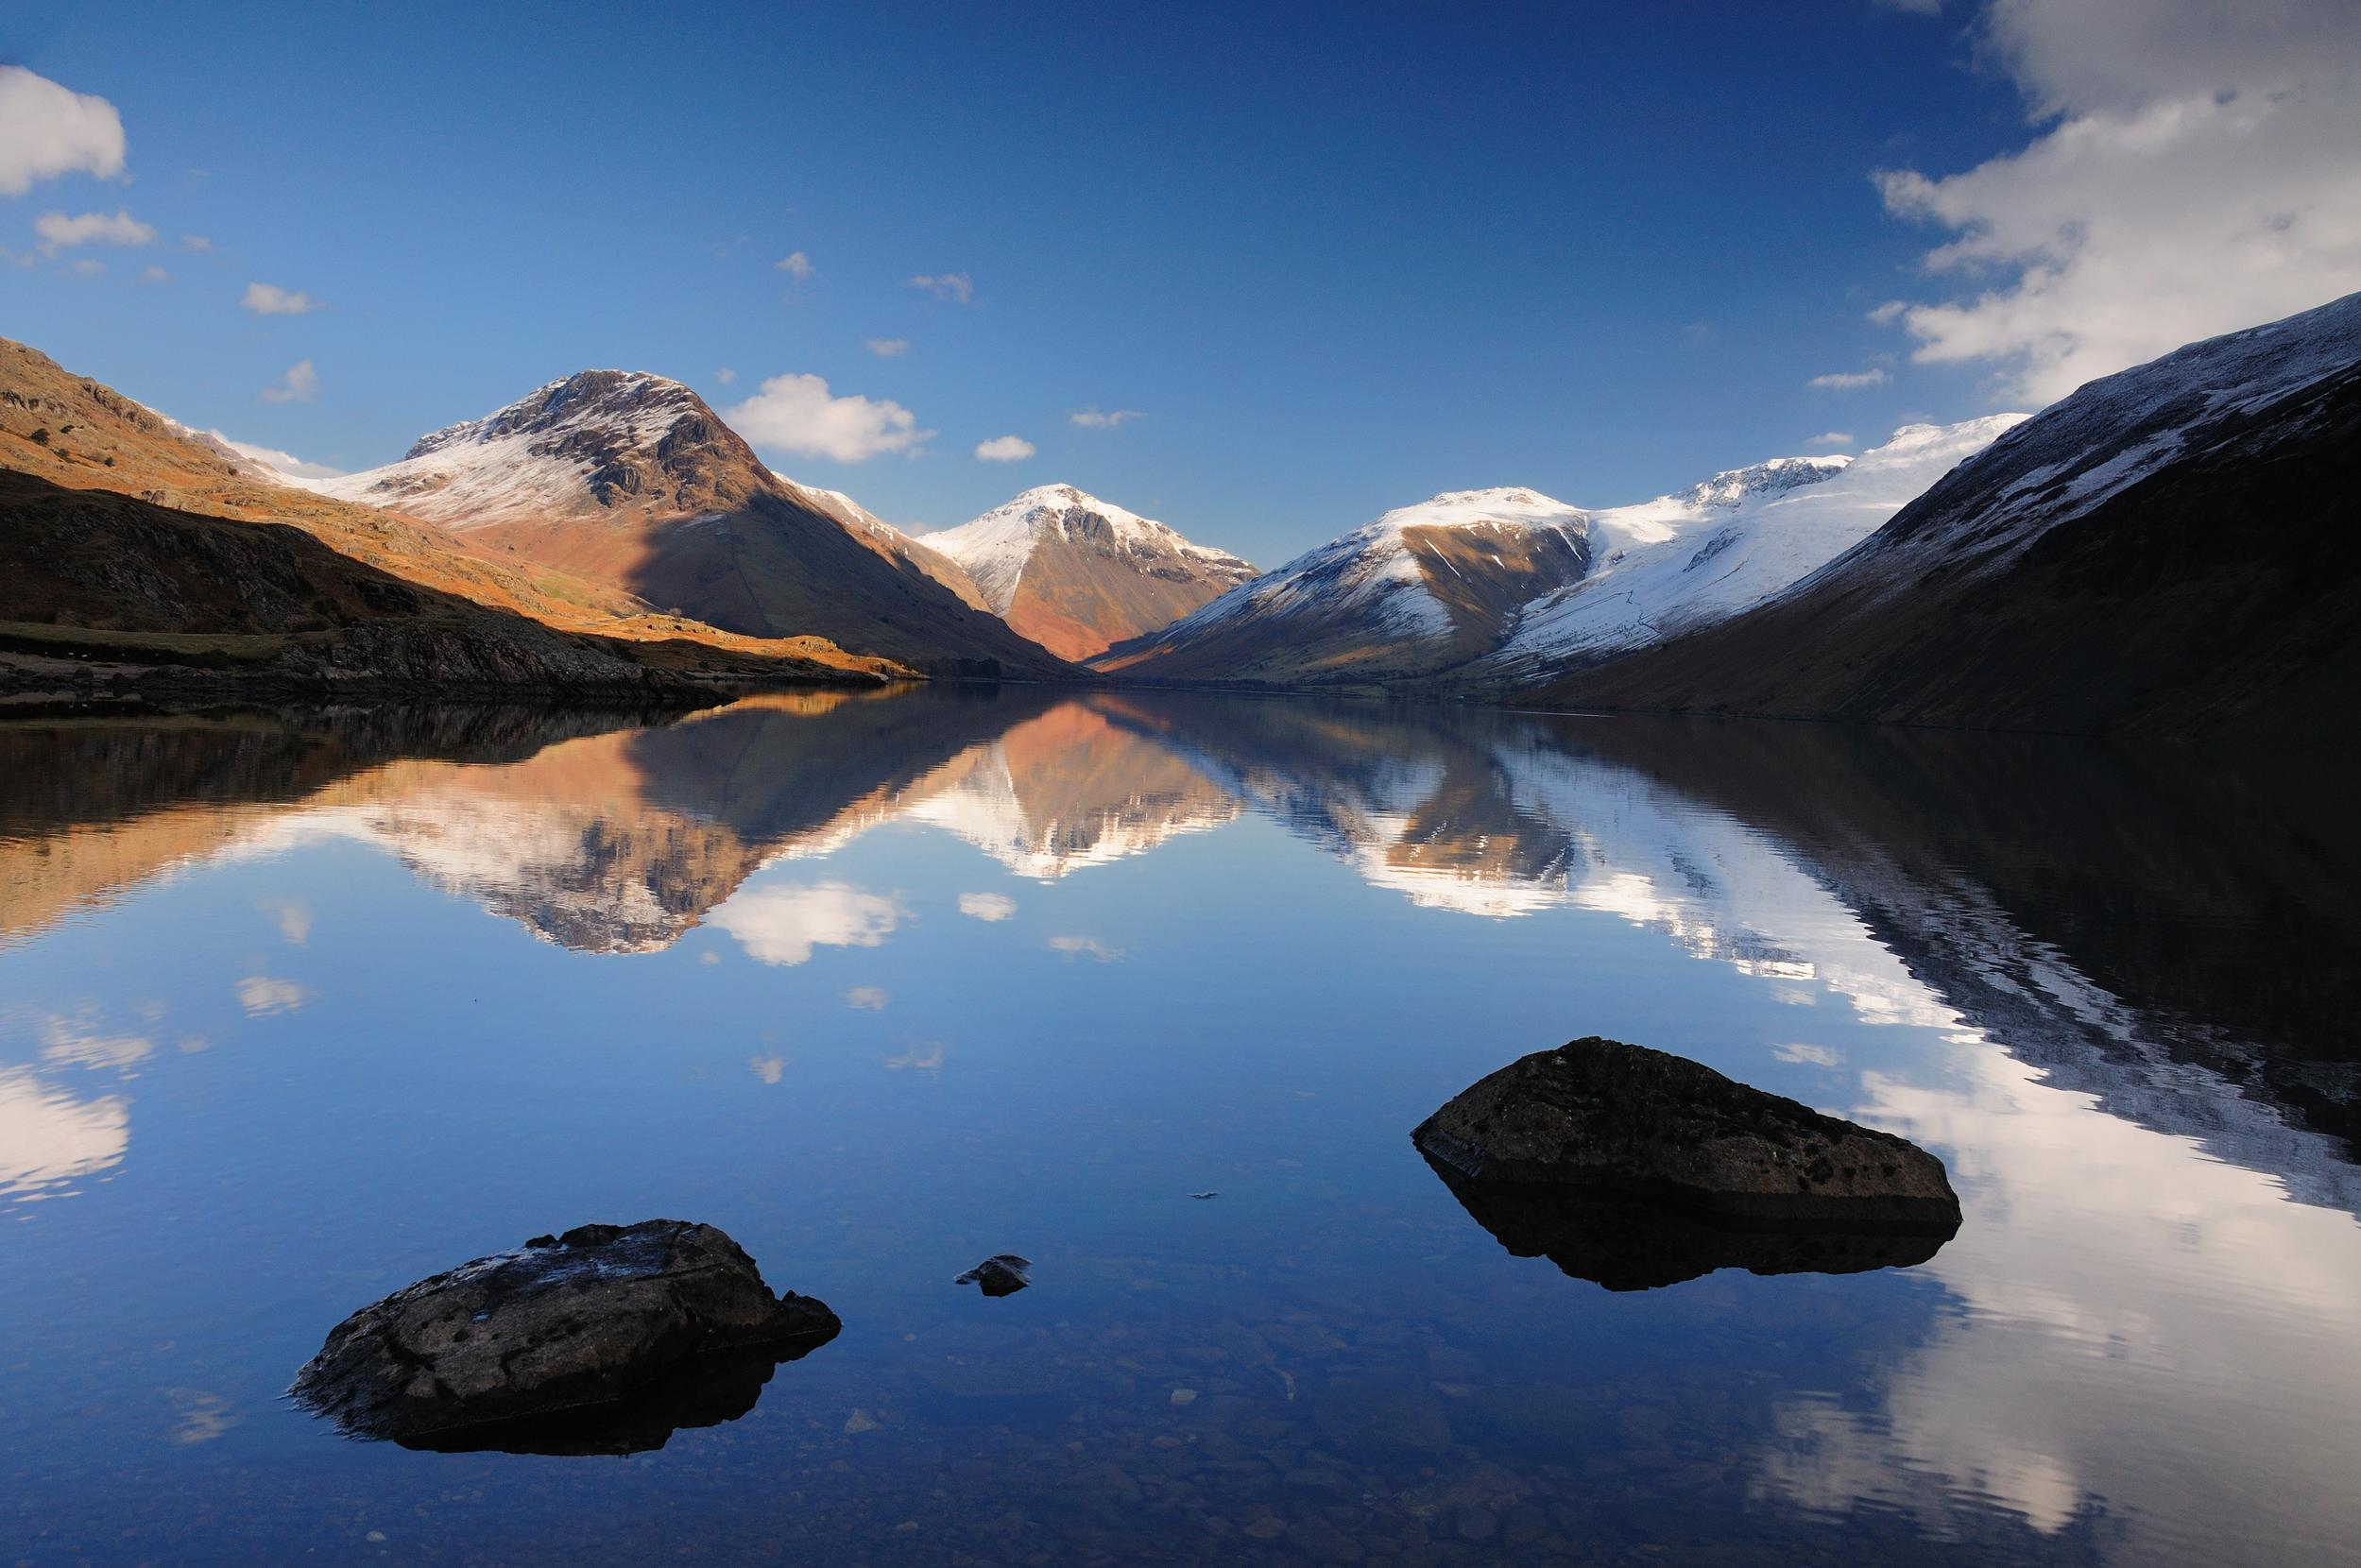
(1336, 261)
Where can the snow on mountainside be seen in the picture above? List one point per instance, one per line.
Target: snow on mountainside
(2165, 551)
(996, 547)
(2112, 433)
(1077, 573)
(582, 444)
(1420, 588)
(1685, 560)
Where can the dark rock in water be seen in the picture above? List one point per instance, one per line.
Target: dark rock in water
(593, 1341)
(1626, 1242)
(1603, 1118)
(1000, 1275)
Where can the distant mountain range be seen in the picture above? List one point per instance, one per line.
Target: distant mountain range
(2160, 551)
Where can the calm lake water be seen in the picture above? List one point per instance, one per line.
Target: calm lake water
(296, 1011)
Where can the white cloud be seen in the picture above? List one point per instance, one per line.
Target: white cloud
(82, 1044)
(1084, 946)
(986, 906)
(781, 925)
(888, 347)
(1091, 419)
(60, 232)
(270, 299)
(2195, 172)
(1004, 449)
(1818, 1056)
(1845, 381)
(301, 385)
(262, 997)
(47, 130)
(725, 375)
(869, 997)
(770, 1069)
(948, 285)
(89, 266)
(925, 1058)
(49, 1138)
(794, 414)
(293, 918)
(1831, 438)
(151, 273)
(796, 265)
(196, 243)
(281, 462)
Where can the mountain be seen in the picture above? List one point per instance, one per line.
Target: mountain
(134, 550)
(1422, 588)
(1685, 560)
(628, 480)
(888, 540)
(2169, 549)
(1078, 575)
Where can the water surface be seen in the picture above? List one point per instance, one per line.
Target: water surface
(294, 1011)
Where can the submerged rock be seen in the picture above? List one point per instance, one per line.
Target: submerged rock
(1597, 1117)
(1002, 1275)
(604, 1339)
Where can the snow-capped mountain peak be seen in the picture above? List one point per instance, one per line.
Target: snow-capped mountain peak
(1704, 553)
(1419, 587)
(1734, 486)
(591, 442)
(633, 402)
(1077, 574)
(997, 547)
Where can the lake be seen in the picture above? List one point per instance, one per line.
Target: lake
(295, 1010)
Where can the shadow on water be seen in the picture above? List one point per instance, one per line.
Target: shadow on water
(1626, 1243)
(707, 1391)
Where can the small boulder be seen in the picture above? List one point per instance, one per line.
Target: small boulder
(1600, 1117)
(663, 1323)
(1000, 1275)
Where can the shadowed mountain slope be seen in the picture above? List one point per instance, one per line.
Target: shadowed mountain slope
(2170, 551)
(630, 481)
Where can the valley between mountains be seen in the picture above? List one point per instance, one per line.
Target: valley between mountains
(2165, 552)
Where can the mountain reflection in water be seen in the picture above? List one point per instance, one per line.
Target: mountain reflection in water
(2134, 975)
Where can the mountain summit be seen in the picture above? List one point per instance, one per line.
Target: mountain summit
(1077, 573)
(630, 480)
(592, 444)
(1422, 588)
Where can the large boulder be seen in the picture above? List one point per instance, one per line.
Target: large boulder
(586, 1323)
(1599, 1116)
